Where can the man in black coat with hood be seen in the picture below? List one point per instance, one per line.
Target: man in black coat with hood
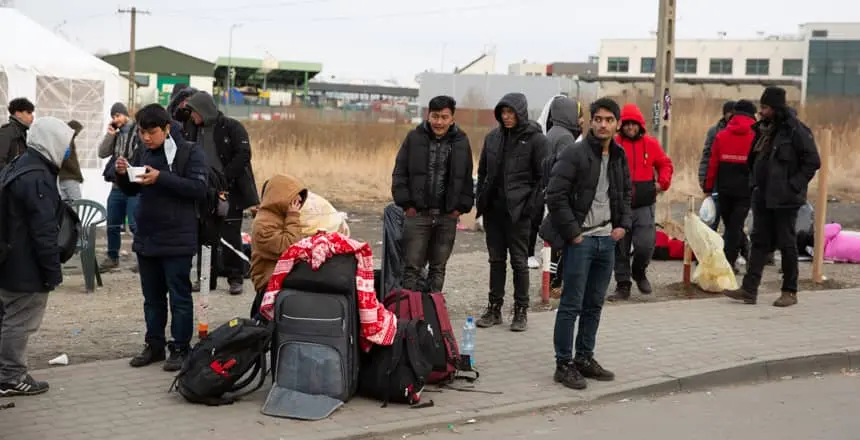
(510, 173)
(783, 159)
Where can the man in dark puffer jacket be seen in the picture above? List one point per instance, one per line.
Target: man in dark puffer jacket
(510, 172)
(432, 182)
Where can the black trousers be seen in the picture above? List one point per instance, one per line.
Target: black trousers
(772, 229)
(508, 237)
(428, 240)
(733, 212)
(224, 261)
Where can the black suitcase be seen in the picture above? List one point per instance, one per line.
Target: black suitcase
(315, 343)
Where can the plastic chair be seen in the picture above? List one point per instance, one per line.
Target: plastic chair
(91, 214)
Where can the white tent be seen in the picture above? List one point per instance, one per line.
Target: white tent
(64, 81)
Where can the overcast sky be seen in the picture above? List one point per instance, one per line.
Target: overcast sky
(379, 39)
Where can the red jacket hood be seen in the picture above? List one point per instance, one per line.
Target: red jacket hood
(740, 124)
(630, 112)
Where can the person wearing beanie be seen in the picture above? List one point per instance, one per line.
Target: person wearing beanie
(651, 170)
(508, 195)
(121, 140)
(729, 175)
(70, 177)
(13, 135)
(728, 107)
(783, 159)
(588, 196)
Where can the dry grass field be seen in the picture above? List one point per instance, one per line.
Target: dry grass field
(351, 162)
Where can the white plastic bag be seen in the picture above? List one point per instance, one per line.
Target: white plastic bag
(713, 272)
(708, 211)
(318, 214)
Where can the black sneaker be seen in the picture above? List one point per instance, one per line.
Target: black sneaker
(644, 286)
(592, 370)
(622, 292)
(740, 295)
(236, 287)
(24, 386)
(567, 375)
(149, 355)
(492, 316)
(108, 264)
(176, 359)
(520, 322)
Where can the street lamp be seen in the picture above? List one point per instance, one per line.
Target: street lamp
(229, 82)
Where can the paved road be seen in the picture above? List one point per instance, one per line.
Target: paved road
(822, 408)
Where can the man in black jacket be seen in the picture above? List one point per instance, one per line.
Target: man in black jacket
(13, 135)
(228, 151)
(432, 182)
(783, 159)
(29, 252)
(589, 200)
(510, 172)
(166, 237)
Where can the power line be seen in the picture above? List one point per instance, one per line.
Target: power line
(247, 7)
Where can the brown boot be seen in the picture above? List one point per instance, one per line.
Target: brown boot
(786, 299)
(741, 295)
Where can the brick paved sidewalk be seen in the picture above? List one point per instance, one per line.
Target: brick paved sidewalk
(640, 342)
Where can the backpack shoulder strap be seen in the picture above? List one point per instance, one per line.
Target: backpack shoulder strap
(416, 306)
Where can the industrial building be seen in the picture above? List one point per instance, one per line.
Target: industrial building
(820, 60)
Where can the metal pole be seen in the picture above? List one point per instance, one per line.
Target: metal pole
(229, 80)
(664, 78)
(132, 82)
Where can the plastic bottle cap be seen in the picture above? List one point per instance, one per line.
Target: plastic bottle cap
(469, 319)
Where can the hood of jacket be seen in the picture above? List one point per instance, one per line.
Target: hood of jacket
(50, 137)
(740, 124)
(520, 105)
(178, 97)
(565, 112)
(203, 103)
(280, 191)
(631, 113)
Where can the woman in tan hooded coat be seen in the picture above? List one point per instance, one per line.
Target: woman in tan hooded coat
(277, 226)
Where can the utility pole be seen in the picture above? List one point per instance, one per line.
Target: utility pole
(228, 83)
(132, 81)
(664, 79)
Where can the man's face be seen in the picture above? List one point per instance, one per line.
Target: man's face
(441, 121)
(631, 129)
(509, 117)
(603, 124)
(766, 111)
(25, 117)
(119, 120)
(153, 137)
(198, 120)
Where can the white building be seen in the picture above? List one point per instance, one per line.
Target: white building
(526, 68)
(729, 68)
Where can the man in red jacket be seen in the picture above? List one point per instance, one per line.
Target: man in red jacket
(729, 175)
(651, 172)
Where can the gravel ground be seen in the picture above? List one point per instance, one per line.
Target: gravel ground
(109, 323)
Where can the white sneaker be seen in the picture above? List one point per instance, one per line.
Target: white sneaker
(534, 263)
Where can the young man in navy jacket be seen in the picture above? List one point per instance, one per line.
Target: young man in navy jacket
(166, 237)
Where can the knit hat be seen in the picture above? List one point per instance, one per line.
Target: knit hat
(728, 106)
(773, 97)
(118, 109)
(745, 107)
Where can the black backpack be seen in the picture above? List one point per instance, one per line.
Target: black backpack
(69, 225)
(213, 209)
(398, 372)
(218, 362)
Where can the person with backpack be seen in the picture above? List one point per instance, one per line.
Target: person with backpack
(563, 129)
(30, 261)
(120, 141)
(166, 238)
(227, 149)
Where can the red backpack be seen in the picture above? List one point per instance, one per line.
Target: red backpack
(430, 307)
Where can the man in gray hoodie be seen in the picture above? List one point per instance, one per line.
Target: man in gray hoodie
(30, 254)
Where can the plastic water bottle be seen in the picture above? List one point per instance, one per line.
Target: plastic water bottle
(467, 343)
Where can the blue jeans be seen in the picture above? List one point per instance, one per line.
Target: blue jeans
(587, 271)
(162, 278)
(119, 207)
